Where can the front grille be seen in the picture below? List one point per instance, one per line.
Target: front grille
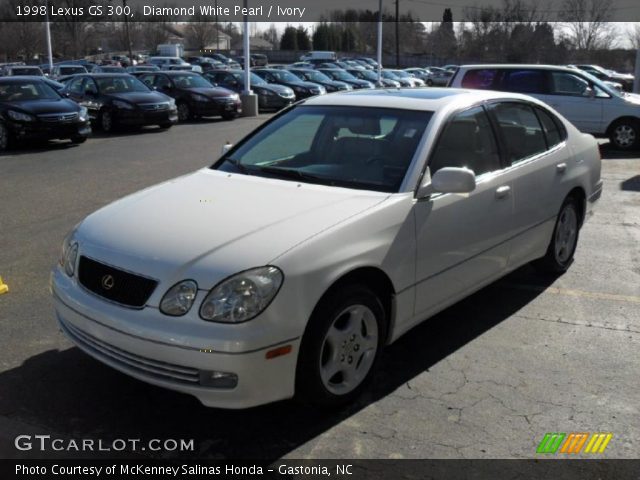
(154, 107)
(58, 117)
(131, 361)
(114, 284)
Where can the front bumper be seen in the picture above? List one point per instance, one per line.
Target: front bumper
(142, 118)
(215, 108)
(274, 101)
(95, 326)
(39, 130)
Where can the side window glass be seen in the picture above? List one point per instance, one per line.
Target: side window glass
(525, 81)
(90, 86)
(568, 84)
(480, 79)
(162, 81)
(76, 86)
(467, 141)
(147, 80)
(521, 130)
(552, 128)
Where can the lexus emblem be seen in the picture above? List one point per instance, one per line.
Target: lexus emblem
(107, 282)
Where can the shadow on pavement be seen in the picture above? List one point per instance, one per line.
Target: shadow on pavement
(631, 184)
(71, 394)
(608, 152)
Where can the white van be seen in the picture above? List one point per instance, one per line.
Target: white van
(319, 55)
(591, 105)
(169, 63)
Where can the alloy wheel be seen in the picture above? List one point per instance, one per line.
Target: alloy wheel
(106, 121)
(183, 112)
(624, 136)
(566, 233)
(349, 349)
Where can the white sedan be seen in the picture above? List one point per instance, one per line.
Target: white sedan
(323, 236)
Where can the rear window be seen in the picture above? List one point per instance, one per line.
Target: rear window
(525, 81)
(553, 129)
(521, 130)
(480, 79)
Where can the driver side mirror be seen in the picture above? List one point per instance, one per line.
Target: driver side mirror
(225, 148)
(589, 92)
(448, 180)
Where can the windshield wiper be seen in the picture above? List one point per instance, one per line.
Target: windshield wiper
(238, 165)
(291, 173)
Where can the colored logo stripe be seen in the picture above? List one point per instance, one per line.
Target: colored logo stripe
(574, 443)
(550, 442)
(598, 443)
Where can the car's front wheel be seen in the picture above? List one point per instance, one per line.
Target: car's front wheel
(106, 121)
(341, 346)
(78, 139)
(564, 241)
(184, 112)
(4, 137)
(625, 134)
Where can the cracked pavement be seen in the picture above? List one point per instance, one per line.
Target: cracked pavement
(487, 378)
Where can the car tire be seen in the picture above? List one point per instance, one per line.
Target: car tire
(166, 125)
(106, 121)
(430, 83)
(184, 112)
(78, 139)
(228, 116)
(625, 134)
(4, 138)
(564, 240)
(340, 347)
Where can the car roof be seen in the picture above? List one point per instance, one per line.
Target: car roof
(429, 99)
(17, 78)
(517, 65)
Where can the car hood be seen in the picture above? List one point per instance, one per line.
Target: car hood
(210, 224)
(139, 97)
(212, 92)
(274, 88)
(37, 107)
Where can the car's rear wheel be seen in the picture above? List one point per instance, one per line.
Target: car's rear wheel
(564, 241)
(341, 346)
(184, 112)
(625, 134)
(106, 121)
(4, 138)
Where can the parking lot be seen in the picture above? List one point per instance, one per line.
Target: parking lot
(486, 378)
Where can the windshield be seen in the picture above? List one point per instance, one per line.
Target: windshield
(19, 91)
(316, 76)
(72, 70)
(342, 75)
(389, 75)
(284, 76)
(190, 81)
(112, 69)
(603, 86)
(401, 74)
(368, 75)
(344, 146)
(254, 79)
(26, 71)
(121, 84)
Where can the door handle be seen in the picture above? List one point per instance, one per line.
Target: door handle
(503, 191)
(561, 167)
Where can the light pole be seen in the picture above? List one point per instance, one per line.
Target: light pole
(249, 99)
(47, 27)
(126, 26)
(217, 31)
(380, 44)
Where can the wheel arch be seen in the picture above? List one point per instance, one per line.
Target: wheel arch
(628, 118)
(580, 196)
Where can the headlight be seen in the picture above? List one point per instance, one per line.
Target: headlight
(179, 298)
(70, 257)
(19, 116)
(235, 97)
(122, 105)
(83, 113)
(243, 296)
(199, 98)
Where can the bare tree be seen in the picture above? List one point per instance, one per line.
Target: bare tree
(634, 36)
(588, 24)
(200, 32)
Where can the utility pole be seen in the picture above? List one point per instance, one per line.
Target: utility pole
(380, 44)
(217, 31)
(48, 32)
(126, 27)
(397, 33)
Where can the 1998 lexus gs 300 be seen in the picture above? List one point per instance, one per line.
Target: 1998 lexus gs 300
(321, 237)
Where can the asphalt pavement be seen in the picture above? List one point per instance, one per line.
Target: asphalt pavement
(486, 378)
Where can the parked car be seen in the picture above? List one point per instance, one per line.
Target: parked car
(57, 86)
(344, 76)
(626, 80)
(60, 71)
(390, 75)
(315, 76)
(421, 73)
(335, 228)
(22, 70)
(259, 60)
(167, 63)
(31, 110)
(138, 69)
(415, 82)
(319, 55)
(588, 103)
(121, 100)
(372, 76)
(206, 63)
(302, 88)
(108, 69)
(231, 64)
(438, 77)
(194, 95)
(270, 97)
